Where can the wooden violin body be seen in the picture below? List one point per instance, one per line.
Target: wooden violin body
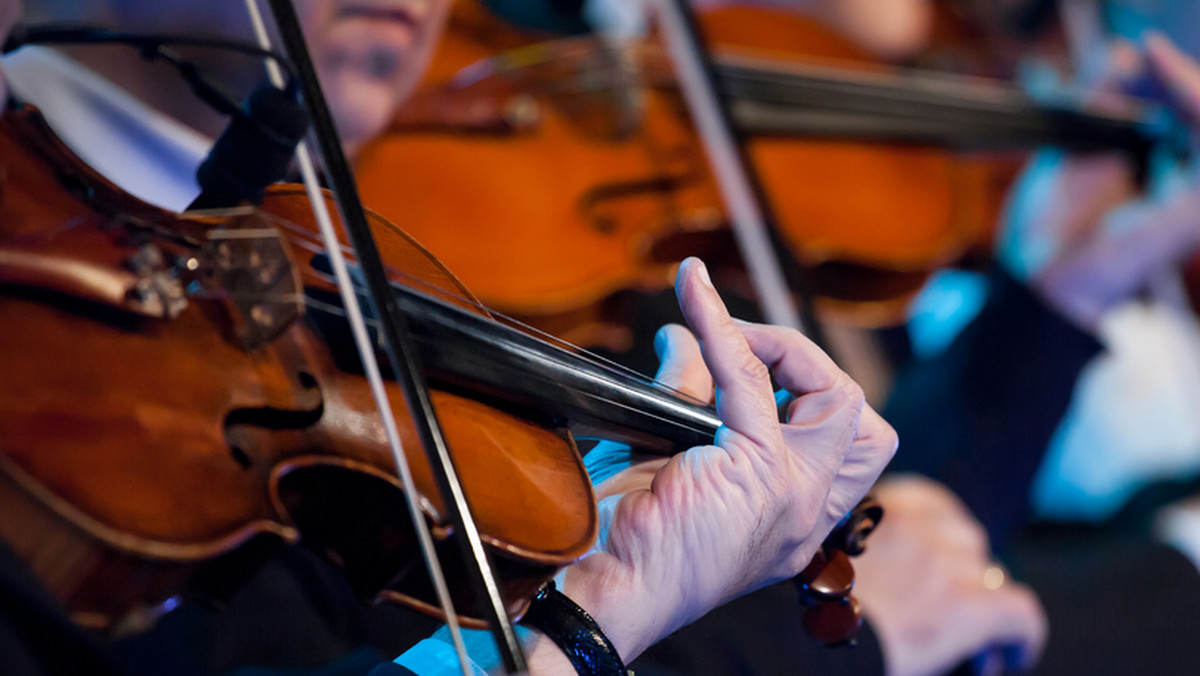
(168, 401)
(553, 213)
(551, 219)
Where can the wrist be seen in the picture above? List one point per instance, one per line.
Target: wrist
(544, 657)
(576, 633)
(615, 603)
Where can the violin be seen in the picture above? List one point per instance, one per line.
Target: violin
(608, 131)
(179, 396)
(169, 406)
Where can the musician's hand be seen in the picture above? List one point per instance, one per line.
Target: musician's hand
(890, 29)
(718, 521)
(617, 469)
(1075, 229)
(927, 586)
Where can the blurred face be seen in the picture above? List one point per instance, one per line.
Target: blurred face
(370, 55)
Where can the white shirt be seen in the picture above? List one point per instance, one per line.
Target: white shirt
(147, 153)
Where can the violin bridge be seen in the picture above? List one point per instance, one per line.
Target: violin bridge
(248, 262)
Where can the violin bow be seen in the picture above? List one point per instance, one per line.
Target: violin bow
(398, 345)
(832, 616)
(751, 217)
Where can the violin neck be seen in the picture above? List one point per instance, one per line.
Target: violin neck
(478, 354)
(921, 108)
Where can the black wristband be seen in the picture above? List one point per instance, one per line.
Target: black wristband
(575, 633)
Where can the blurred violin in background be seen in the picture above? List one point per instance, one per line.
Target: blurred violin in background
(581, 146)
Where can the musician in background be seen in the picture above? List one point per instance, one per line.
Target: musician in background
(108, 102)
(1132, 421)
(1079, 251)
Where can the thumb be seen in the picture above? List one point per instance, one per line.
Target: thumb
(681, 365)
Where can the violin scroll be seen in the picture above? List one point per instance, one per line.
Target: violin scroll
(833, 615)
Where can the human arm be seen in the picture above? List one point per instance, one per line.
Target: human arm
(682, 535)
(1077, 229)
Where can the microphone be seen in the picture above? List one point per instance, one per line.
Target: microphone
(254, 151)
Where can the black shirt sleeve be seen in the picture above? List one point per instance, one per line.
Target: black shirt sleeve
(293, 601)
(390, 669)
(36, 636)
(759, 633)
(979, 417)
(1117, 603)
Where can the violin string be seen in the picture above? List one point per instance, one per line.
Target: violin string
(614, 368)
(597, 67)
(596, 73)
(597, 396)
(317, 248)
(643, 412)
(312, 246)
(592, 358)
(598, 361)
(988, 102)
(307, 242)
(594, 395)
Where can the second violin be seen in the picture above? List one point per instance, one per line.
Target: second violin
(603, 132)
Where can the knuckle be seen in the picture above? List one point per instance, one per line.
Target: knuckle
(976, 540)
(849, 393)
(751, 368)
(888, 440)
(787, 335)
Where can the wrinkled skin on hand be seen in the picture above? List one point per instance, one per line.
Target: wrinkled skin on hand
(922, 584)
(1078, 232)
(685, 534)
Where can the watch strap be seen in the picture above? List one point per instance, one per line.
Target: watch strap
(575, 632)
